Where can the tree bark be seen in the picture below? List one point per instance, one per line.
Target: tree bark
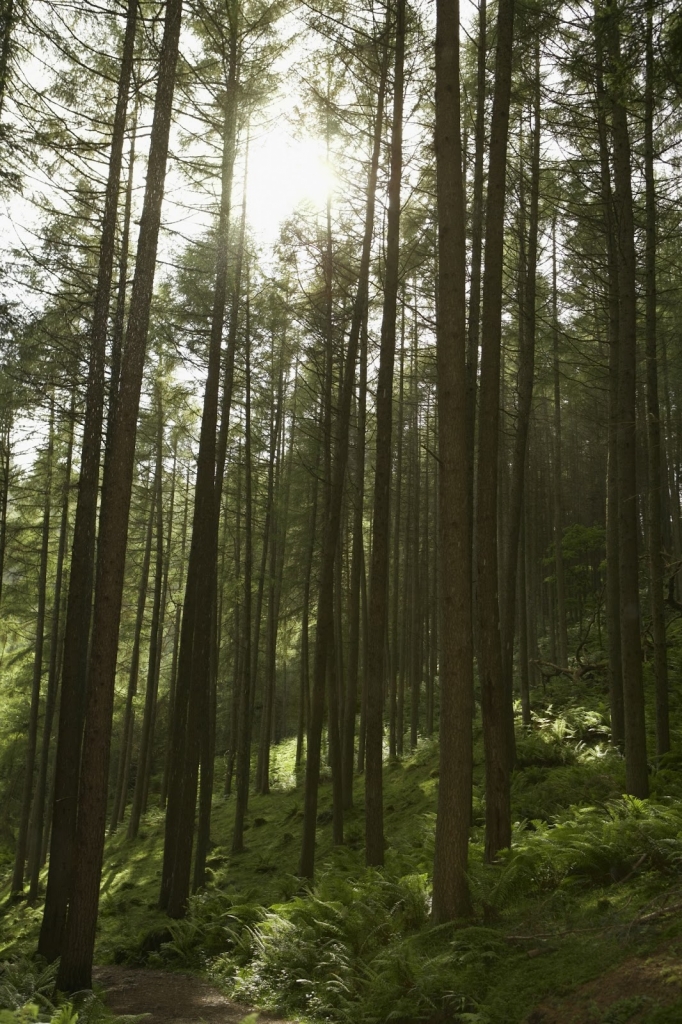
(155, 636)
(393, 737)
(495, 705)
(636, 771)
(450, 887)
(612, 571)
(325, 604)
(17, 882)
(557, 476)
(38, 812)
(656, 567)
(244, 720)
(351, 693)
(122, 776)
(79, 610)
(379, 565)
(192, 685)
(75, 971)
(176, 649)
(4, 495)
(526, 376)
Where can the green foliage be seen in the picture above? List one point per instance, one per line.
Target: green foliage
(25, 981)
(316, 951)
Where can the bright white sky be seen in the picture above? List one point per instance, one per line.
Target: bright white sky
(283, 172)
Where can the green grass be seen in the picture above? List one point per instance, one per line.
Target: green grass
(558, 909)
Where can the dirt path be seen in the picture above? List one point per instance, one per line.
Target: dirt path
(169, 997)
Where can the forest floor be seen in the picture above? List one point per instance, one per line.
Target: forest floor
(629, 993)
(169, 997)
(579, 923)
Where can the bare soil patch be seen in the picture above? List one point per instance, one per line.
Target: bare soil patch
(169, 997)
(629, 992)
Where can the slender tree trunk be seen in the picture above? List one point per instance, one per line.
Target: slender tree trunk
(35, 842)
(325, 607)
(414, 597)
(270, 549)
(75, 971)
(636, 771)
(79, 610)
(379, 565)
(526, 375)
(351, 694)
(364, 613)
(394, 738)
(524, 656)
(155, 636)
(304, 703)
(176, 647)
(191, 694)
(238, 645)
(450, 888)
(244, 721)
(4, 494)
(653, 413)
(477, 215)
(121, 791)
(17, 883)
(493, 692)
(148, 764)
(612, 570)
(557, 476)
(122, 289)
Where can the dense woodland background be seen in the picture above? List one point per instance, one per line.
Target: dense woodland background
(323, 499)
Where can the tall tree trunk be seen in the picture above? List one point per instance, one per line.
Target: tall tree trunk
(6, 454)
(494, 697)
(526, 373)
(304, 700)
(325, 605)
(191, 693)
(263, 763)
(351, 694)
(155, 635)
(118, 328)
(653, 413)
(636, 772)
(379, 565)
(122, 777)
(238, 644)
(557, 475)
(612, 571)
(524, 647)
(17, 883)
(75, 970)
(244, 720)
(477, 215)
(35, 842)
(450, 888)
(395, 617)
(78, 609)
(162, 623)
(176, 650)
(414, 594)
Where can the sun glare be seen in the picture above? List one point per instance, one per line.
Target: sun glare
(284, 172)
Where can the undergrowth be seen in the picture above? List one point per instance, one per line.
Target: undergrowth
(584, 884)
(28, 994)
